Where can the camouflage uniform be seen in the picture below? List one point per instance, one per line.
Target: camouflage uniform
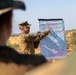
(27, 41)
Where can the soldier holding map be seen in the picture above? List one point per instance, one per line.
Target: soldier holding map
(27, 41)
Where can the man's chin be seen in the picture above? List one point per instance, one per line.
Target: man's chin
(27, 32)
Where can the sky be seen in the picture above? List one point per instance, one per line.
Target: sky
(47, 9)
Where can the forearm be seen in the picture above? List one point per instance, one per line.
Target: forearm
(42, 35)
(37, 37)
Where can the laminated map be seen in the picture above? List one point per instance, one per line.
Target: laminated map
(54, 45)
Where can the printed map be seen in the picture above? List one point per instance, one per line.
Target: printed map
(53, 46)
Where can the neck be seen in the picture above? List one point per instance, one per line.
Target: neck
(2, 42)
(3, 39)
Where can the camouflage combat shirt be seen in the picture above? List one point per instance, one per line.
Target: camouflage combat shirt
(26, 41)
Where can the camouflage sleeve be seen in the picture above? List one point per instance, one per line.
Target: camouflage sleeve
(36, 44)
(36, 37)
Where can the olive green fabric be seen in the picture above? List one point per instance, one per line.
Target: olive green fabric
(14, 63)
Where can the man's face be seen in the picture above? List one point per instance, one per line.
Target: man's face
(26, 29)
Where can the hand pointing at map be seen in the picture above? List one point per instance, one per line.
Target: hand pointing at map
(48, 30)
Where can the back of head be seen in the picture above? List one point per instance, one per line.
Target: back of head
(6, 7)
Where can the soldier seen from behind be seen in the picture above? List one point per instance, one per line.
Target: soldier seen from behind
(12, 62)
(28, 42)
